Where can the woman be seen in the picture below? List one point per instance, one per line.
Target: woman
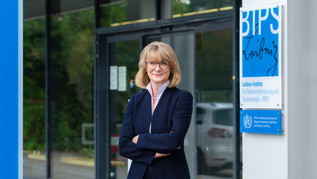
(157, 119)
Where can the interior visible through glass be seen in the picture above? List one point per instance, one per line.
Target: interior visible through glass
(124, 58)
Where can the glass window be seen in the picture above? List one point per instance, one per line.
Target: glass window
(224, 117)
(34, 156)
(72, 63)
(200, 113)
(33, 9)
(66, 6)
(213, 84)
(192, 7)
(117, 12)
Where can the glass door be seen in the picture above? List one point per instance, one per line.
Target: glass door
(214, 103)
(123, 58)
(205, 59)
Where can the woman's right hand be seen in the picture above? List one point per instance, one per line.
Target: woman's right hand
(158, 155)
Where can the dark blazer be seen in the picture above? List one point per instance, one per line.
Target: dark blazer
(170, 122)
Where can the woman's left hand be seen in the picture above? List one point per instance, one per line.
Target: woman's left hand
(135, 139)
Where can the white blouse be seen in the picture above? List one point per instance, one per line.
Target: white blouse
(159, 95)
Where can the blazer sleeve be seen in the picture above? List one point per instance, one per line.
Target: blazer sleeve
(126, 147)
(169, 142)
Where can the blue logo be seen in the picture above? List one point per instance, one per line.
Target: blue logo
(247, 121)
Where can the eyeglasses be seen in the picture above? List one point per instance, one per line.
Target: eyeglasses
(152, 65)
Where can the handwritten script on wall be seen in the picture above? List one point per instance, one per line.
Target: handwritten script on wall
(260, 40)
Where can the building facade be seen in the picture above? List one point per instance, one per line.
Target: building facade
(84, 57)
(79, 63)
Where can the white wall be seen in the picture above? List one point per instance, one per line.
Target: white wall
(302, 87)
(265, 156)
(291, 155)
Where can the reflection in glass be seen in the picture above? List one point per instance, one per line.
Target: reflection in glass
(223, 117)
(193, 7)
(214, 103)
(124, 55)
(117, 12)
(34, 159)
(72, 95)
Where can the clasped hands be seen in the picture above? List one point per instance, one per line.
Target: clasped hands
(157, 155)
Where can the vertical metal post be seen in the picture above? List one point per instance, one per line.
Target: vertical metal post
(158, 10)
(51, 7)
(101, 111)
(96, 156)
(102, 160)
(48, 87)
(97, 12)
(237, 167)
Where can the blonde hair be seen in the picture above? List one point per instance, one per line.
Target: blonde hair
(167, 55)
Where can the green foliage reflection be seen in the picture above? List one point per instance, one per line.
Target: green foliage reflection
(72, 78)
(71, 65)
(34, 85)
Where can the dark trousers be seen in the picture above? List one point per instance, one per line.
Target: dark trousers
(147, 174)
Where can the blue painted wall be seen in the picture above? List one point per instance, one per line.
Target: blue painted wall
(11, 89)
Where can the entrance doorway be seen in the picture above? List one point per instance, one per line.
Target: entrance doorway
(205, 57)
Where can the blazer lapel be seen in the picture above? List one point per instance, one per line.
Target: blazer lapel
(160, 110)
(148, 111)
(161, 103)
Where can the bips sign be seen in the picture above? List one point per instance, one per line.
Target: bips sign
(260, 57)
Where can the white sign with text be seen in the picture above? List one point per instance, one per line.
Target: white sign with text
(260, 57)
